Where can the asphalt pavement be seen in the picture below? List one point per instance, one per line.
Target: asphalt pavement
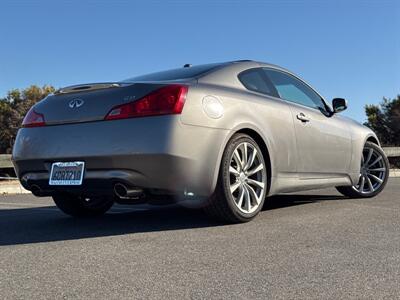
(314, 245)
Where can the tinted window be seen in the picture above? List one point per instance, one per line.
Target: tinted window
(294, 90)
(256, 80)
(175, 74)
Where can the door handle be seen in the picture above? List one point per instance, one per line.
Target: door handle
(302, 117)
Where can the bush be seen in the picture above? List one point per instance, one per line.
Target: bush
(384, 119)
(394, 162)
(13, 108)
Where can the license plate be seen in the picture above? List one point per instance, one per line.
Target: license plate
(67, 173)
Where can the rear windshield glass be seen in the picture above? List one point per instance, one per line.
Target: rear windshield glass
(175, 74)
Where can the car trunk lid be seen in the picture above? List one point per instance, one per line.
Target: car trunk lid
(90, 102)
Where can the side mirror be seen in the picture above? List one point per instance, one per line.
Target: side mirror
(338, 105)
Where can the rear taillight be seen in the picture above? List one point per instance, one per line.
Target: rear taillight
(164, 101)
(33, 119)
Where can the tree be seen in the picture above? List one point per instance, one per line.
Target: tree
(384, 119)
(13, 108)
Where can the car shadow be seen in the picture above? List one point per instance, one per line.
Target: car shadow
(281, 201)
(47, 223)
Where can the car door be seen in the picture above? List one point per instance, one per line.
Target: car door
(323, 141)
(274, 119)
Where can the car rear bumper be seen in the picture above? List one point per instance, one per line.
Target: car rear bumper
(157, 153)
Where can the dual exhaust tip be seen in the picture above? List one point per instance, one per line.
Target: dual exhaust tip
(124, 192)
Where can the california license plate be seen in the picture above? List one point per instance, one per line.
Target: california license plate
(67, 173)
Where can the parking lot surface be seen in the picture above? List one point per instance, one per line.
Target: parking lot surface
(314, 245)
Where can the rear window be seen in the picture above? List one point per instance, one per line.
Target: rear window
(176, 74)
(256, 80)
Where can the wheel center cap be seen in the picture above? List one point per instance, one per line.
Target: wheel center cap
(363, 171)
(242, 178)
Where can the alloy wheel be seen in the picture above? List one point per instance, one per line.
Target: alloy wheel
(372, 172)
(247, 176)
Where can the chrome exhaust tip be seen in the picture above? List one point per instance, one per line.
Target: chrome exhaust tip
(123, 192)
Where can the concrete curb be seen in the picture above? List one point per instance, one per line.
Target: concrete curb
(12, 187)
(394, 173)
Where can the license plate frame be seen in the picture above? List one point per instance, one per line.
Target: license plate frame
(72, 176)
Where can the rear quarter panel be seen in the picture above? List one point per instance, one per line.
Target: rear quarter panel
(270, 117)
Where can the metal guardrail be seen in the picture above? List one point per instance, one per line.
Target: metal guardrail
(392, 151)
(5, 159)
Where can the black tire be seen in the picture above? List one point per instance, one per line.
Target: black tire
(352, 192)
(221, 205)
(78, 206)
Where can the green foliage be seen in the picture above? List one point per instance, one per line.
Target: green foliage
(384, 119)
(13, 108)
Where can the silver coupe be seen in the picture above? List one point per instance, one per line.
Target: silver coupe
(221, 136)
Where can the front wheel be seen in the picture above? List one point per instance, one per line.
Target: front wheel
(242, 182)
(79, 206)
(374, 173)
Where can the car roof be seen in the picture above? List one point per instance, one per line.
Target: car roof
(226, 73)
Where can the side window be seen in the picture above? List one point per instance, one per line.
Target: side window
(294, 90)
(256, 80)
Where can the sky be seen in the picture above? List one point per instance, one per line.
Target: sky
(348, 49)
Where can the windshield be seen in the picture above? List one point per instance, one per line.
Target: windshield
(176, 74)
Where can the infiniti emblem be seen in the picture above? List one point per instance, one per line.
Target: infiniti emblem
(75, 103)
